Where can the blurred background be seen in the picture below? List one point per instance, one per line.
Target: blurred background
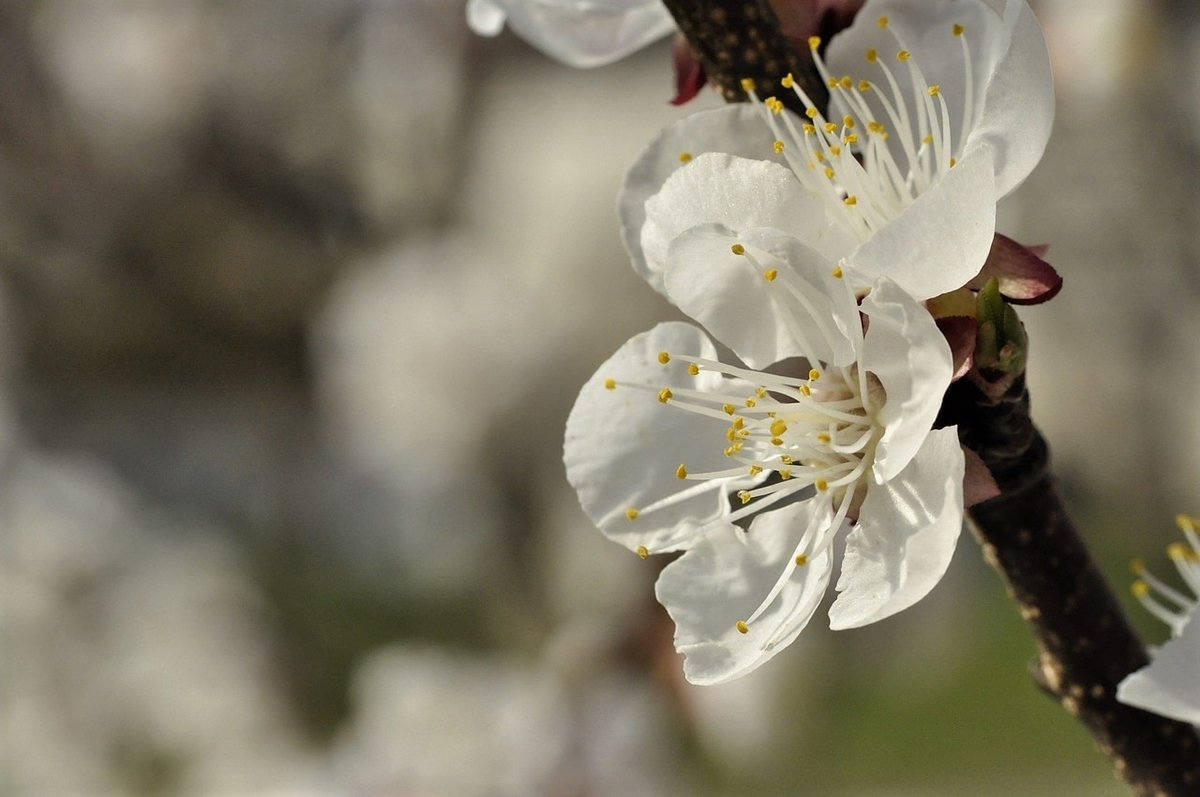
(295, 296)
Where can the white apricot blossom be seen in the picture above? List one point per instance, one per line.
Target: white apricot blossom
(753, 469)
(582, 33)
(938, 109)
(1170, 685)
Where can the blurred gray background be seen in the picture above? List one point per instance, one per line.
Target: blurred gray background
(295, 296)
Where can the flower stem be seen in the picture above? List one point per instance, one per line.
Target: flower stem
(1085, 643)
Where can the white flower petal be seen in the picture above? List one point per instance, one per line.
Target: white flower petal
(736, 129)
(905, 537)
(738, 193)
(804, 312)
(622, 446)
(725, 577)
(1170, 685)
(941, 240)
(582, 33)
(909, 355)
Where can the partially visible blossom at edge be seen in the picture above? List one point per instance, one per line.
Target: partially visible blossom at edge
(938, 110)
(582, 33)
(1170, 685)
(753, 471)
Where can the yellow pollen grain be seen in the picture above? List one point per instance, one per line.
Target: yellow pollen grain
(883, 22)
(806, 390)
(788, 81)
(872, 55)
(665, 395)
(693, 369)
(813, 373)
(811, 113)
(742, 627)
(821, 485)
(1187, 523)
(814, 42)
(875, 127)
(927, 140)
(778, 146)
(935, 90)
(610, 384)
(761, 392)
(801, 560)
(820, 157)
(632, 513)
(728, 409)
(847, 121)
(755, 470)
(824, 439)
(852, 138)
(730, 451)
(864, 85)
(832, 83)
(739, 423)
(776, 441)
(778, 428)
(643, 551)
(1140, 589)
(730, 434)
(835, 150)
(684, 157)
(785, 474)
(738, 249)
(750, 402)
(744, 496)
(953, 162)
(846, 81)
(785, 459)
(903, 55)
(809, 129)
(1137, 567)
(681, 472)
(775, 104)
(770, 274)
(958, 29)
(747, 84)
(664, 357)
(851, 200)
(837, 272)
(829, 173)
(830, 127)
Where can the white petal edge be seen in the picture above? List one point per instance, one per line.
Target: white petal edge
(724, 577)
(906, 535)
(735, 129)
(909, 355)
(1170, 685)
(622, 446)
(804, 312)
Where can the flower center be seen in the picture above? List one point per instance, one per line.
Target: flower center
(883, 152)
(1148, 589)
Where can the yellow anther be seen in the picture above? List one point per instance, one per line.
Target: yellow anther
(741, 627)
(665, 395)
(785, 459)
(928, 139)
(847, 121)
(755, 470)
(832, 82)
(830, 127)
(775, 104)
(883, 22)
(664, 357)
(730, 451)
(744, 496)
(610, 384)
(761, 392)
(632, 513)
(851, 200)
(643, 551)
(1140, 589)
(778, 428)
(778, 146)
(820, 156)
(785, 474)
(953, 162)
(1137, 567)
(750, 402)
(738, 249)
(812, 165)
(1187, 523)
(811, 113)
(693, 369)
(809, 129)
(875, 127)
(770, 274)
(935, 90)
(872, 55)
(829, 173)
(903, 55)
(728, 409)
(864, 85)
(739, 422)
(681, 472)
(958, 29)
(776, 441)
(813, 373)
(824, 439)
(852, 138)
(846, 81)
(788, 81)
(837, 272)
(801, 560)
(1182, 553)
(821, 485)
(835, 150)
(747, 84)
(806, 390)
(684, 157)
(814, 42)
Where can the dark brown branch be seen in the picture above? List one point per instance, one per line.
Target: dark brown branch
(736, 39)
(1084, 640)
